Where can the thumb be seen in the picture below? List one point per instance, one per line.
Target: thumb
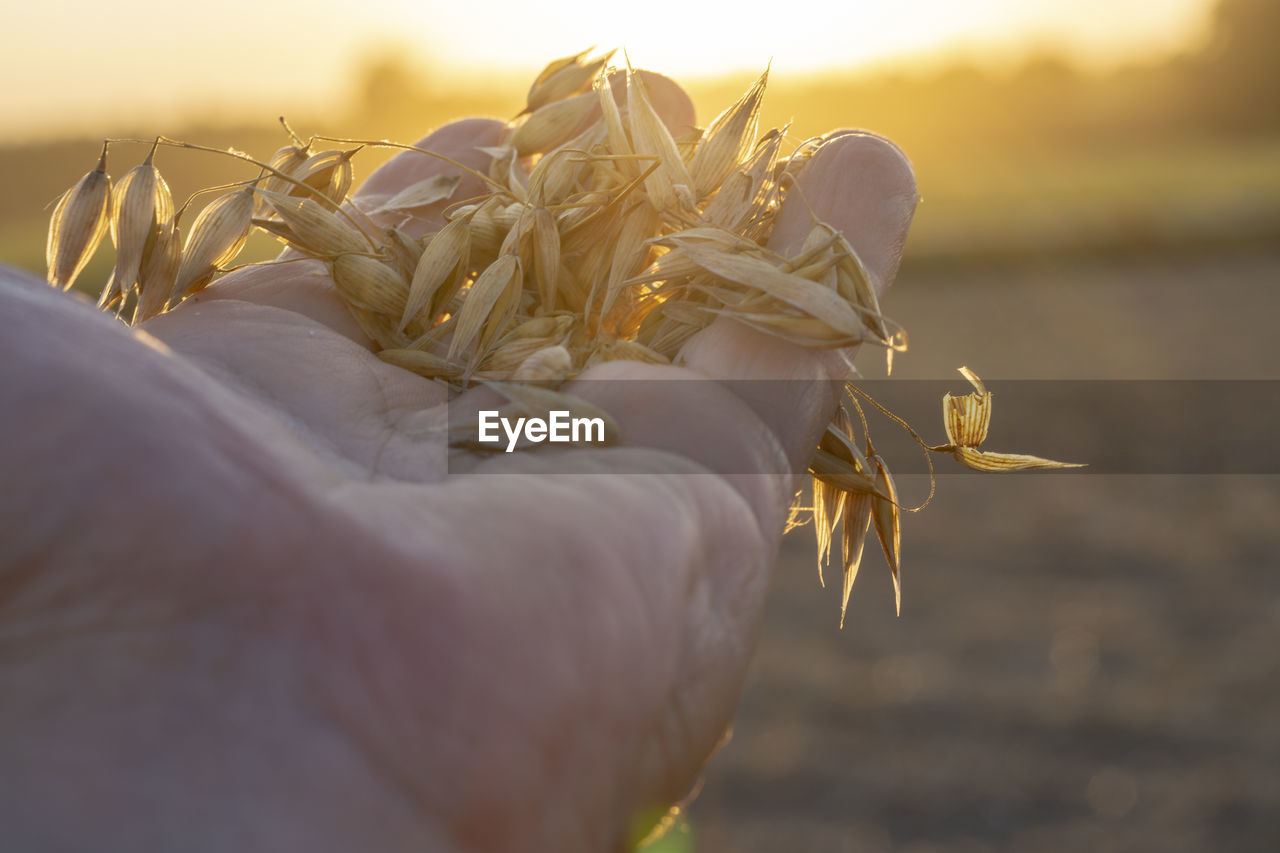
(862, 185)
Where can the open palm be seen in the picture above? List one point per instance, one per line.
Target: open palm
(243, 604)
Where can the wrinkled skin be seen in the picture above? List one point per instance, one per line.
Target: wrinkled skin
(242, 608)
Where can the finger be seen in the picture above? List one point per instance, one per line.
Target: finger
(862, 185)
(303, 287)
(605, 620)
(156, 483)
(367, 417)
(672, 104)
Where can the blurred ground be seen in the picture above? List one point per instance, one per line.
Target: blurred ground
(1083, 662)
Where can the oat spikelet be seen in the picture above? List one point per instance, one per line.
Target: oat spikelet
(555, 175)
(500, 316)
(550, 126)
(732, 202)
(669, 186)
(854, 284)
(631, 250)
(615, 133)
(551, 326)
(486, 231)
(506, 170)
(838, 462)
(110, 293)
(404, 249)
(854, 525)
(500, 277)
(78, 224)
(439, 260)
(509, 353)
(370, 284)
(316, 231)
(847, 487)
(159, 270)
(550, 364)
(966, 420)
(804, 331)
(828, 503)
(426, 192)
(328, 173)
(534, 98)
(884, 512)
(140, 205)
(287, 161)
(813, 299)
(546, 254)
(215, 238)
(569, 79)
(727, 141)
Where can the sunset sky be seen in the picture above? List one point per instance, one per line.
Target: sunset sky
(78, 66)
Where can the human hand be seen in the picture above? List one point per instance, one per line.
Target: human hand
(243, 606)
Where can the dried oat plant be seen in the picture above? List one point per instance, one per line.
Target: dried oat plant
(600, 236)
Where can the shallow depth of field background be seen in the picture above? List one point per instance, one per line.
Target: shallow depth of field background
(1083, 662)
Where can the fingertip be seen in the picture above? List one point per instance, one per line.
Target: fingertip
(863, 185)
(669, 100)
(716, 425)
(790, 388)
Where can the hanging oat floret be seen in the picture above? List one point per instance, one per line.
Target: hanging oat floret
(966, 419)
(78, 224)
(600, 236)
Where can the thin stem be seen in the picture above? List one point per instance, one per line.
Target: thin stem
(191, 198)
(272, 263)
(295, 138)
(614, 201)
(900, 422)
(387, 143)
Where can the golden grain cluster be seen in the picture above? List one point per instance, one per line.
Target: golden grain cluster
(599, 236)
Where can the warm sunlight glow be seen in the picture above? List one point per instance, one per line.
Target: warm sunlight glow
(76, 65)
(705, 38)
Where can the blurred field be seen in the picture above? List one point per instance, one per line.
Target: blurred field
(1082, 662)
